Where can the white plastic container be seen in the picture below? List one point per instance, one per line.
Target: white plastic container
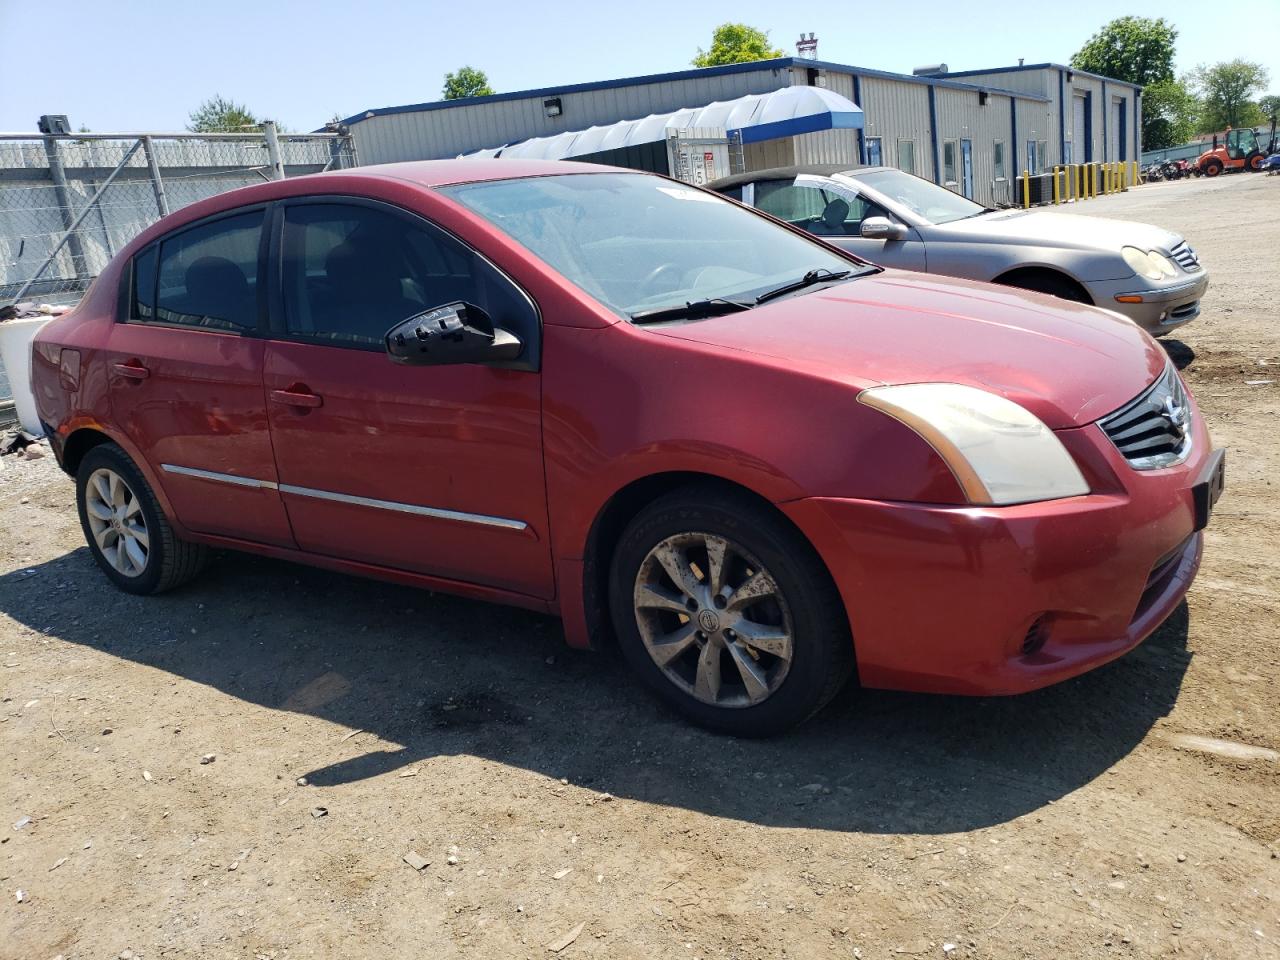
(15, 354)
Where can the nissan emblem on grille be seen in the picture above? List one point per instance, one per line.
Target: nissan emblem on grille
(1153, 429)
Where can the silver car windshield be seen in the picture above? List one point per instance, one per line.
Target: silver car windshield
(639, 243)
(927, 200)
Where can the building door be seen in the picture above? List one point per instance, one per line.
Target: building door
(966, 168)
(1122, 130)
(1080, 129)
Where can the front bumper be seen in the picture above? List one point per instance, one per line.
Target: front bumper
(978, 600)
(1161, 308)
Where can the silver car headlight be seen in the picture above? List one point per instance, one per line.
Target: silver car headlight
(999, 452)
(1148, 263)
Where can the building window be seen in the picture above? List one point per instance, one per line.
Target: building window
(1037, 156)
(907, 156)
(997, 159)
(875, 156)
(949, 163)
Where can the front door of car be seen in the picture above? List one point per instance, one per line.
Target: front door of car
(835, 211)
(184, 364)
(430, 469)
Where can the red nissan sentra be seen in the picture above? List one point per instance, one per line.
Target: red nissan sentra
(760, 463)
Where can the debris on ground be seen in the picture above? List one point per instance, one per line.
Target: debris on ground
(208, 758)
(416, 860)
(319, 812)
(561, 874)
(24, 822)
(555, 946)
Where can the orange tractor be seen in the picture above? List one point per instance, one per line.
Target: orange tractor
(1241, 149)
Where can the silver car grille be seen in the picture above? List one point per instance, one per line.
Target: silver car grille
(1185, 256)
(1153, 430)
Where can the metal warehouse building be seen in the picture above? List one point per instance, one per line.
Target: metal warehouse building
(972, 131)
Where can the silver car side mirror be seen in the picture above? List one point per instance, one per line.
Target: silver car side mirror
(882, 228)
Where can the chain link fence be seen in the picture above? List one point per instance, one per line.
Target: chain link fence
(70, 202)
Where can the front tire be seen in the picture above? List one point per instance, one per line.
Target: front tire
(127, 531)
(1213, 168)
(727, 613)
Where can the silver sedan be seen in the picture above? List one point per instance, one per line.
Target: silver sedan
(894, 219)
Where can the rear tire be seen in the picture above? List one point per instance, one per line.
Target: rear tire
(126, 530)
(753, 638)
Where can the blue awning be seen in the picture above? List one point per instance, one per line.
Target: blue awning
(788, 112)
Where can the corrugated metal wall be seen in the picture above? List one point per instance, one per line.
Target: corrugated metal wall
(828, 146)
(440, 133)
(961, 116)
(898, 111)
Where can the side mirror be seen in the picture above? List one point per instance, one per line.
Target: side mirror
(882, 228)
(454, 333)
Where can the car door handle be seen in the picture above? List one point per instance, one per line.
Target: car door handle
(297, 397)
(131, 369)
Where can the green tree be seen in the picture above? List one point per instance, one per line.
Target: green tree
(736, 43)
(1270, 107)
(220, 115)
(1133, 49)
(467, 82)
(1227, 89)
(1170, 115)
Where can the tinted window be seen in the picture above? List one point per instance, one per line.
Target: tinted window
(208, 275)
(353, 272)
(144, 285)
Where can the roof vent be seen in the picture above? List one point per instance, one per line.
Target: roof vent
(930, 70)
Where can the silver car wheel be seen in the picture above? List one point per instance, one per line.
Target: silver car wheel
(116, 520)
(714, 620)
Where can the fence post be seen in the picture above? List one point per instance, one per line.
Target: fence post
(58, 174)
(70, 235)
(162, 203)
(273, 149)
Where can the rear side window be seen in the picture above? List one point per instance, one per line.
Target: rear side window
(353, 272)
(143, 306)
(207, 276)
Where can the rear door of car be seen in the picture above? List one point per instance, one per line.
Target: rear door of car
(434, 469)
(835, 211)
(184, 363)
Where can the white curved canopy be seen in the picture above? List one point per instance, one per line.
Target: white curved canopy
(760, 116)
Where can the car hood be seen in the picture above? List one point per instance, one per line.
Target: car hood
(1044, 229)
(1067, 363)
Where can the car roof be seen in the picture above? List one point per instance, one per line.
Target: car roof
(441, 173)
(787, 173)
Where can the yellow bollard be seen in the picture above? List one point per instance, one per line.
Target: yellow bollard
(1056, 198)
(1089, 181)
(1026, 189)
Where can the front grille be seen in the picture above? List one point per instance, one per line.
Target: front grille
(1185, 256)
(1154, 429)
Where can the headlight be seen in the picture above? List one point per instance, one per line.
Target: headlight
(999, 452)
(1148, 263)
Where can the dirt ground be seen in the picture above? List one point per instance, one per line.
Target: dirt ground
(1133, 812)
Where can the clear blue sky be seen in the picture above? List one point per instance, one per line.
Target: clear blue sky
(139, 64)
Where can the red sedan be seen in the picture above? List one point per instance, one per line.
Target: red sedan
(756, 461)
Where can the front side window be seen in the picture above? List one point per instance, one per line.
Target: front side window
(143, 302)
(926, 200)
(352, 272)
(636, 242)
(907, 156)
(207, 276)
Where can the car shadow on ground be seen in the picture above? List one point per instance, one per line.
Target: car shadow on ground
(1181, 354)
(438, 675)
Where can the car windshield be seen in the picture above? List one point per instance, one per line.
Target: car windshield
(928, 200)
(639, 243)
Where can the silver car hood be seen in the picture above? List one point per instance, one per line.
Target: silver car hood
(1062, 230)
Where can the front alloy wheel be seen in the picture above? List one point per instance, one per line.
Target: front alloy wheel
(713, 619)
(726, 612)
(117, 523)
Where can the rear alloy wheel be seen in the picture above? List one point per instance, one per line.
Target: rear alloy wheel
(125, 527)
(726, 612)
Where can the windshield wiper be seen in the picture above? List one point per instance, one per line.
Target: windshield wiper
(691, 310)
(820, 275)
